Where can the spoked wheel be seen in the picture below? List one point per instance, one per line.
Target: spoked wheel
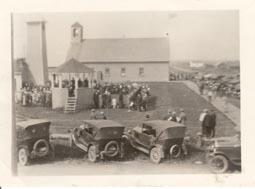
(219, 164)
(23, 156)
(92, 156)
(155, 155)
(112, 149)
(175, 151)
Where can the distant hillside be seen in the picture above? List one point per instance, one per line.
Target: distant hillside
(223, 67)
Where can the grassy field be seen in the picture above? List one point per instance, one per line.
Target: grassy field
(168, 96)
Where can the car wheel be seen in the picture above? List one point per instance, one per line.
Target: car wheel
(112, 149)
(92, 156)
(175, 151)
(23, 156)
(155, 155)
(219, 164)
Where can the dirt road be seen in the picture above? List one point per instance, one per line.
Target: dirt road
(71, 166)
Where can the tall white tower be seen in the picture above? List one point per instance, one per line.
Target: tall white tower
(37, 52)
(76, 33)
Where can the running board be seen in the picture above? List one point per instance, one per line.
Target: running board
(144, 150)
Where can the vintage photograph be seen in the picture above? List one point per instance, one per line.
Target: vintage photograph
(111, 93)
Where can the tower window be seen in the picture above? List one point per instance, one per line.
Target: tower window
(75, 32)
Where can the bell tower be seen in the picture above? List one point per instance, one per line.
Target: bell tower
(76, 33)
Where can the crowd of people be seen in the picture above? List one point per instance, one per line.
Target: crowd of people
(121, 95)
(180, 76)
(218, 87)
(32, 95)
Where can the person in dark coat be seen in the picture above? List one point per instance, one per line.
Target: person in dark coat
(96, 98)
(79, 83)
(121, 102)
(85, 82)
(139, 100)
(201, 88)
(206, 124)
(212, 123)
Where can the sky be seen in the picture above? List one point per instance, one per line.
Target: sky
(193, 35)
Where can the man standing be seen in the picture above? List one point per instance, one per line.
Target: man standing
(168, 115)
(96, 98)
(212, 123)
(201, 88)
(182, 117)
(201, 119)
(206, 124)
(173, 117)
(92, 114)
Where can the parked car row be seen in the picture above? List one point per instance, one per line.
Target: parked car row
(103, 139)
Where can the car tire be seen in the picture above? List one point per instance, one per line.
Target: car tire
(92, 156)
(219, 164)
(109, 145)
(23, 156)
(175, 151)
(155, 155)
(41, 142)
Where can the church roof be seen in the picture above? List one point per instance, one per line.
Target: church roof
(120, 50)
(73, 66)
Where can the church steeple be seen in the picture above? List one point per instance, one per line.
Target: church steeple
(76, 33)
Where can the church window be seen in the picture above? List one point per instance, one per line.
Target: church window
(123, 72)
(107, 71)
(141, 71)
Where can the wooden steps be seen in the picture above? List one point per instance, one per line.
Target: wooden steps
(71, 105)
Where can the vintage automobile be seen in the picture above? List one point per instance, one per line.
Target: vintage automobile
(100, 138)
(33, 140)
(225, 151)
(158, 138)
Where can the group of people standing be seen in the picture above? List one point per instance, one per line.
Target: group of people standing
(139, 98)
(172, 116)
(135, 97)
(35, 95)
(208, 122)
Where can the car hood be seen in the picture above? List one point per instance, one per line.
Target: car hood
(227, 142)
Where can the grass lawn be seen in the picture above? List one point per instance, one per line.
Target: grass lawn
(234, 101)
(168, 95)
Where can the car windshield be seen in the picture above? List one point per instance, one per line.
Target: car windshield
(146, 129)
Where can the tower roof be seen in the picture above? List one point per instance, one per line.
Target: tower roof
(76, 24)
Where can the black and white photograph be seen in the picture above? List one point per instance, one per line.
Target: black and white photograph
(126, 92)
